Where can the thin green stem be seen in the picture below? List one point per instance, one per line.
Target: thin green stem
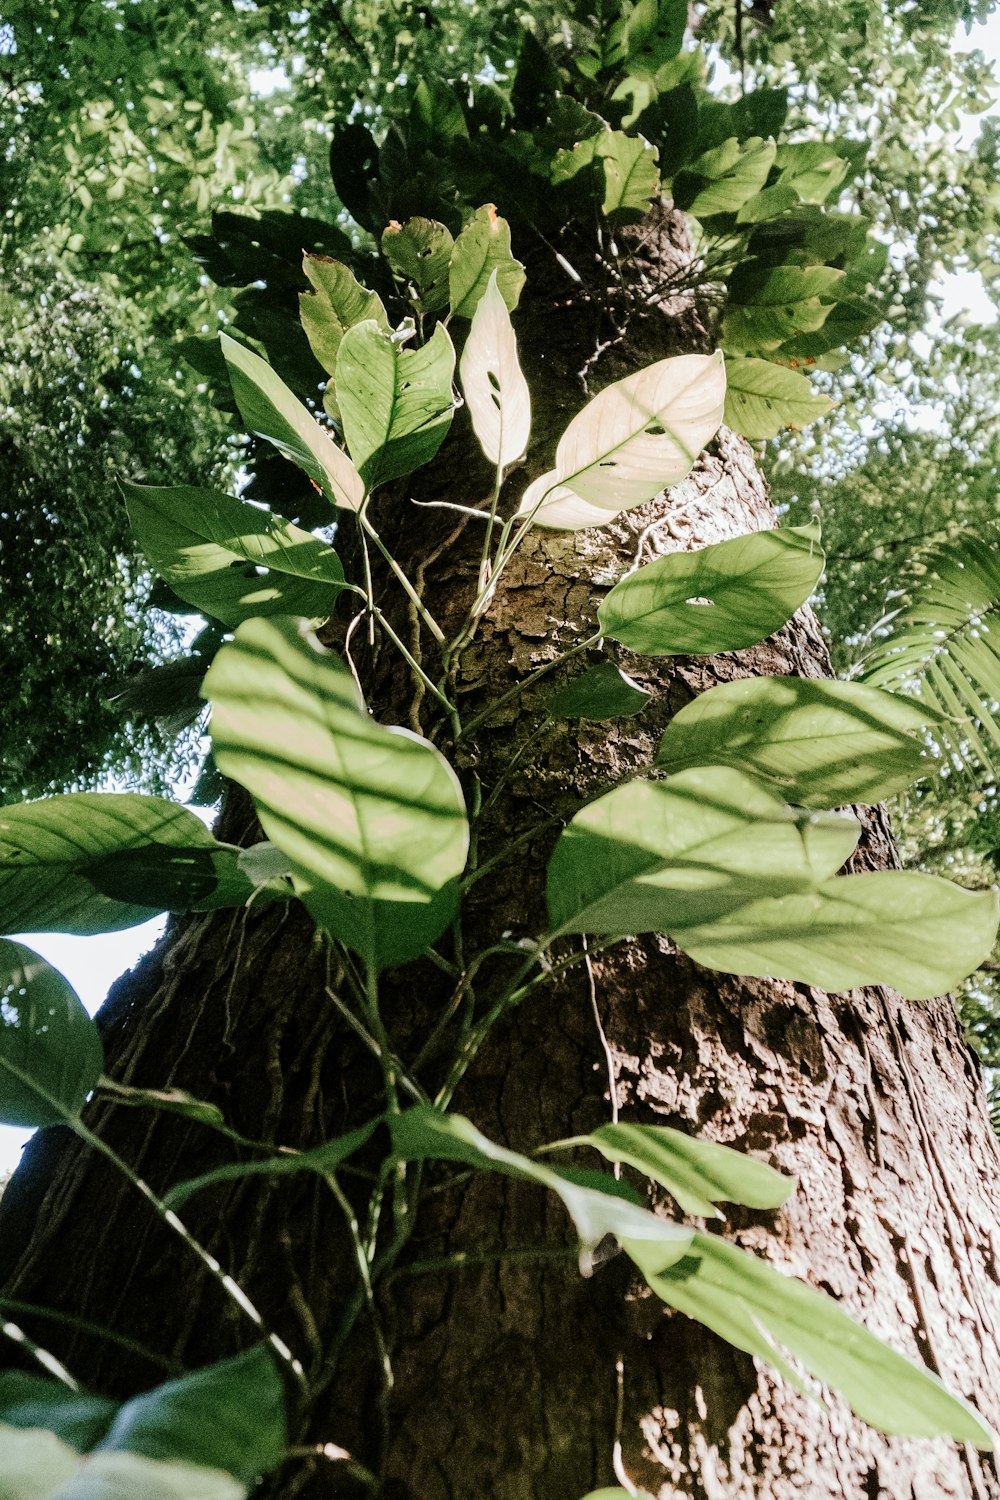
(94, 1330)
(48, 1362)
(409, 590)
(463, 1259)
(484, 560)
(232, 1290)
(415, 666)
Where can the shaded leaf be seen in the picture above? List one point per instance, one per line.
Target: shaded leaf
(733, 173)
(762, 398)
(271, 411)
(769, 305)
(337, 301)
(77, 1417)
(396, 404)
(821, 744)
(482, 248)
(323, 1159)
(50, 1051)
(231, 559)
(601, 692)
(658, 856)
(419, 253)
(719, 598)
(385, 934)
(769, 1314)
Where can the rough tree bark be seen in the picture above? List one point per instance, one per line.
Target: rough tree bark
(516, 1379)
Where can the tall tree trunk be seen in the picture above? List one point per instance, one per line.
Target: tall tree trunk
(516, 1379)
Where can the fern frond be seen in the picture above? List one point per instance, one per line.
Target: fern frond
(943, 647)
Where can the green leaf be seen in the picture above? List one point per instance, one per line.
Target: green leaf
(769, 305)
(377, 813)
(36, 1463)
(654, 31)
(76, 1417)
(271, 411)
(229, 1416)
(386, 934)
(396, 404)
(915, 933)
(631, 175)
(632, 440)
(699, 1174)
(495, 389)
(720, 598)
(812, 169)
(336, 302)
(170, 1101)
(762, 398)
(658, 856)
(419, 253)
(59, 858)
(128, 1476)
(482, 248)
(426, 1134)
(769, 1314)
(601, 692)
(734, 173)
(231, 559)
(323, 1160)
(821, 744)
(50, 1051)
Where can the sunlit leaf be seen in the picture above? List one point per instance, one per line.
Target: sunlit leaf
(419, 253)
(336, 302)
(50, 1051)
(819, 743)
(372, 812)
(771, 1316)
(812, 169)
(129, 1476)
(601, 692)
(720, 598)
(495, 389)
(658, 856)
(762, 398)
(769, 305)
(482, 248)
(733, 173)
(426, 1134)
(231, 559)
(396, 404)
(631, 441)
(912, 932)
(698, 1174)
(271, 411)
(88, 862)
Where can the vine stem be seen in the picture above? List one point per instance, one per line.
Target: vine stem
(532, 677)
(232, 1290)
(409, 590)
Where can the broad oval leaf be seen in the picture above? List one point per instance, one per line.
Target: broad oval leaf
(213, 550)
(631, 175)
(914, 933)
(50, 1051)
(271, 412)
(820, 743)
(73, 863)
(698, 1174)
(36, 1463)
(493, 383)
(129, 1476)
(385, 934)
(762, 398)
(424, 1133)
(770, 305)
(77, 1417)
(396, 404)
(733, 173)
(482, 248)
(601, 692)
(720, 598)
(229, 1416)
(769, 1314)
(336, 301)
(632, 440)
(658, 856)
(375, 812)
(419, 253)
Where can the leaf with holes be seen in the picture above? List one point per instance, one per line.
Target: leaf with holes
(762, 398)
(50, 1051)
(771, 1315)
(396, 404)
(231, 559)
(482, 248)
(419, 253)
(631, 441)
(659, 856)
(495, 388)
(719, 598)
(818, 743)
(271, 412)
